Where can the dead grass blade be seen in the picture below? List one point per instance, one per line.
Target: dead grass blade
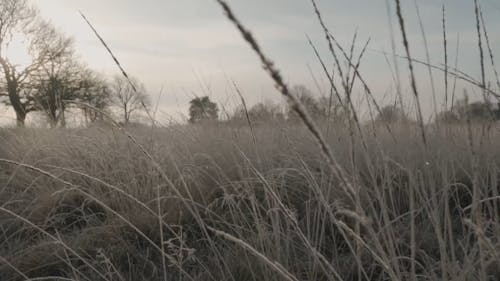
(412, 72)
(292, 99)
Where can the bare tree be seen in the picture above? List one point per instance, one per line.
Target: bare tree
(57, 83)
(306, 97)
(63, 82)
(126, 98)
(14, 16)
(44, 44)
(95, 92)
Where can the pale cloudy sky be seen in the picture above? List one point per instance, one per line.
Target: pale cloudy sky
(189, 48)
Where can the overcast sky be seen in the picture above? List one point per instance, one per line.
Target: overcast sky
(189, 48)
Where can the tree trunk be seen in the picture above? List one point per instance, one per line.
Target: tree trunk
(62, 116)
(52, 122)
(13, 92)
(20, 118)
(16, 103)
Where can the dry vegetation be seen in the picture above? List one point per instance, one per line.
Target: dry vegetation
(92, 210)
(280, 201)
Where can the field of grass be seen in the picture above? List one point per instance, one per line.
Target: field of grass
(207, 203)
(407, 200)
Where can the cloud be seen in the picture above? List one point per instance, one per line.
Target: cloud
(167, 42)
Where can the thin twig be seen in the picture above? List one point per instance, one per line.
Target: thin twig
(427, 58)
(295, 104)
(480, 47)
(445, 46)
(117, 62)
(276, 266)
(330, 77)
(412, 72)
(492, 59)
(328, 39)
(247, 115)
(454, 90)
(460, 75)
(394, 58)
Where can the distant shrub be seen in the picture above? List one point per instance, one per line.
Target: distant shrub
(260, 112)
(202, 108)
(476, 111)
(320, 109)
(391, 114)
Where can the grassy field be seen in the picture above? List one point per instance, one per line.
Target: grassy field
(207, 203)
(408, 200)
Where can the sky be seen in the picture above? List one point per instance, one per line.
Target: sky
(187, 48)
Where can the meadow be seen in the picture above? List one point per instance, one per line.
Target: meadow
(350, 200)
(206, 203)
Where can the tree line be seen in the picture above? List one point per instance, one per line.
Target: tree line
(322, 108)
(54, 79)
(332, 110)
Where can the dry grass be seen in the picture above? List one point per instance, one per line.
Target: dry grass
(276, 201)
(91, 210)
